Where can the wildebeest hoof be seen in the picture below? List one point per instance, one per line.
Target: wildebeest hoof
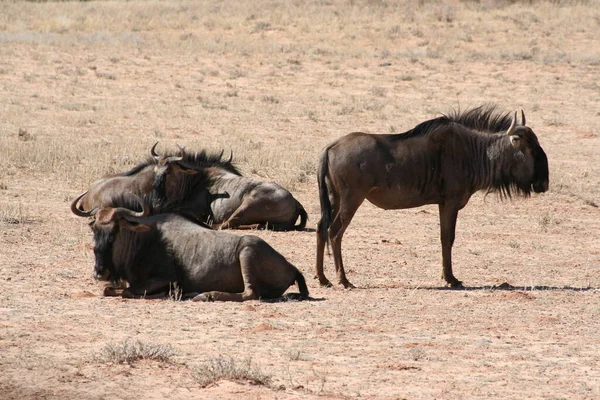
(456, 284)
(203, 297)
(504, 285)
(111, 291)
(347, 285)
(325, 283)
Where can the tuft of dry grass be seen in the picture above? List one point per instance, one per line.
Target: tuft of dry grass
(130, 351)
(223, 367)
(544, 222)
(175, 292)
(14, 214)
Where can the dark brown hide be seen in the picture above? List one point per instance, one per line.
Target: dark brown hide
(151, 253)
(137, 181)
(442, 161)
(213, 190)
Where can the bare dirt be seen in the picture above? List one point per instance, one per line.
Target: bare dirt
(86, 89)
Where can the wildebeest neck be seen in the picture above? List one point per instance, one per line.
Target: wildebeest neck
(140, 255)
(499, 166)
(171, 190)
(221, 181)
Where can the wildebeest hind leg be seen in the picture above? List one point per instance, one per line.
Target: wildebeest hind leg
(319, 274)
(239, 216)
(250, 293)
(322, 238)
(342, 219)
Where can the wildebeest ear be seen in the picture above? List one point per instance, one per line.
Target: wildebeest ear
(133, 226)
(178, 167)
(189, 171)
(515, 140)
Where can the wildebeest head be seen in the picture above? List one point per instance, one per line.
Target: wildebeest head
(533, 173)
(166, 164)
(177, 164)
(185, 176)
(169, 171)
(106, 224)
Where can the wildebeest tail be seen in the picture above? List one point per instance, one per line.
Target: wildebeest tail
(325, 222)
(303, 295)
(303, 216)
(302, 285)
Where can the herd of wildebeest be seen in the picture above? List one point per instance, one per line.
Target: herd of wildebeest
(159, 227)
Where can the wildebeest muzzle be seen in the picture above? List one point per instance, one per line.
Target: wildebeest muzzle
(102, 276)
(540, 186)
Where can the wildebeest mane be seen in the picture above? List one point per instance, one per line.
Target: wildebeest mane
(191, 184)
(201, 160)
(192, 160)
(485, 119)
(480, 124)
(488, 119)
(137, 168)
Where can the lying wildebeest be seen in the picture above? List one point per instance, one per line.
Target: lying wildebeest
(206, 186)
(441, 161)
(152, 252)
(137, 181)
(213, 189)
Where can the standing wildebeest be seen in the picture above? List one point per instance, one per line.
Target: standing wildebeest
(152, 252)
(441, 161)
(213, 189)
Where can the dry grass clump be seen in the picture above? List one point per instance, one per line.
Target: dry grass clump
(14, 214)
(223, 367)
(130, 351)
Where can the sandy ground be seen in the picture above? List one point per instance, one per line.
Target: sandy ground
(84, 93)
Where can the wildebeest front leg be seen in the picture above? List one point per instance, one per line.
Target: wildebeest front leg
(448, 215)
(250, 292)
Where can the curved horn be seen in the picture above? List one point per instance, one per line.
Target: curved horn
(230, 156)
(135, 214)
(523, 117)
(79, 212)
(153, 151)
(511, 129)
(181, 149)
(221, 155)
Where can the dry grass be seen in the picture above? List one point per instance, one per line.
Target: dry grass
(14, 214)
(394, 31)
(222, 367)
(129, 351)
